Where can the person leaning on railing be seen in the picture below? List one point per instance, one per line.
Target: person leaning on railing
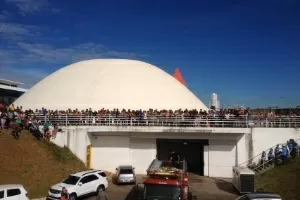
(133, 114)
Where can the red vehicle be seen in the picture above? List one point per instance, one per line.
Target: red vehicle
(166, 181)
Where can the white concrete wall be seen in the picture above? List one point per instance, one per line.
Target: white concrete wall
(206, 160)
(142, 153)
(76, 139)
(225, 150)
(222, 157)
(108, 152)
(265, 138)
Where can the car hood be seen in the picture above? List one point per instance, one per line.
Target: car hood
(59, 186)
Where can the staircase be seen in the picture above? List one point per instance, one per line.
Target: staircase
(259, 166)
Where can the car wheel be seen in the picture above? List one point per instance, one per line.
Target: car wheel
(72, 196)
(190, 196)
(101, 194)
(100, 189)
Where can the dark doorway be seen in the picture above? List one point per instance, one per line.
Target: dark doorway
(191, 150)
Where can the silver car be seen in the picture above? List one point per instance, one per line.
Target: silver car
(260, 196)
(125, 174)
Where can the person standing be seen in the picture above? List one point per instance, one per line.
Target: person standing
(64, 194)
(285, 153)
(3, 118)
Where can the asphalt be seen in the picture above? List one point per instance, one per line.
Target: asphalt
(203, 188)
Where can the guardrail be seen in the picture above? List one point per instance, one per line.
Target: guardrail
(263, 164)
(258, 158)
(108, 120)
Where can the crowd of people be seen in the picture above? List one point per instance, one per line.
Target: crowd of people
(220, 118)
(17, 120)
(277, 155)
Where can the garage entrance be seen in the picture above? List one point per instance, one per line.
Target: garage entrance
(192, 150)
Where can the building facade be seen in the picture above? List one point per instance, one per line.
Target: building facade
(209, 151)
(9, 91)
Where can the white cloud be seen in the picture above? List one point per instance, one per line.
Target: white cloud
(39, 53)
(28, 76)
(13, 31)
(26, 45)
(31, 6)
(4, 15)
(13, 60)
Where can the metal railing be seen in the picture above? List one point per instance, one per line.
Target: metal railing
(174, 121)
(265, 164)
(254, 161)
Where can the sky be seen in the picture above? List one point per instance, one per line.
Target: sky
(246, 51)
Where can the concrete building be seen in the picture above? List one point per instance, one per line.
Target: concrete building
(214, 102)
(10, 91)
(119, 83)
(110, 84)
(209, 151)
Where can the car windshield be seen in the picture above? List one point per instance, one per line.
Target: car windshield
(126, 171)
(71, 180)
(158, 191)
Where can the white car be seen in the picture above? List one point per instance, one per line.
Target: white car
(13, 192)
(81, 184)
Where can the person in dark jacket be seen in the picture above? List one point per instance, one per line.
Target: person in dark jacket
(277, 154)
(174, 157)
(271, 156)
(293, 147)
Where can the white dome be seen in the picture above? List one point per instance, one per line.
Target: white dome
(109, 84)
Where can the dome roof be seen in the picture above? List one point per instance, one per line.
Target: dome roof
(109, 84)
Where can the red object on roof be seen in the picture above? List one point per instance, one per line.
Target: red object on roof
(177, 75)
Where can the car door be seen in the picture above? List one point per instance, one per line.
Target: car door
(89, 183)
(13, 194)
(82, 189)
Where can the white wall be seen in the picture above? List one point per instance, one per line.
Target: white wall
(108, 152)
(76, 139)
(206, 160)
(143, 151)
(222, 157)
(265, 138)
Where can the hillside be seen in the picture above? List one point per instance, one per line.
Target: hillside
(35, 164)
(284, 180)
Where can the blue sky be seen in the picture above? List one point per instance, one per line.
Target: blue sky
(248, 52)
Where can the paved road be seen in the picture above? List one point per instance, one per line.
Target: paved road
(202, 188)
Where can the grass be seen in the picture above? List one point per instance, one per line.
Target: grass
(35, 164)
(61, 154)
(283, 180)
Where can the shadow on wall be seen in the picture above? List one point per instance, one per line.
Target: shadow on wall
(110, 141)
(105, 141)
(222, 148)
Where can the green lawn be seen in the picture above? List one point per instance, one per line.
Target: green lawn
(283, 180)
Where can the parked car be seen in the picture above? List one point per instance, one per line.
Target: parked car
(81, 184)
(13, 192)
(125, 174)
(260, 196)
